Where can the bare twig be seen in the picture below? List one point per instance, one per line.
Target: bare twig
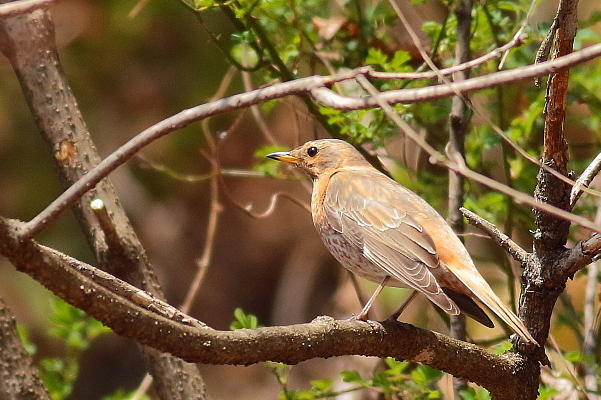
(589, 345)
(203, 263)
(585, 179)
(590, 342)
(272, 204)
(458, 122)
(545, 47)
(27, 40)
(256, 112)
(438, 73)
(517, 40)
(504, 241)
(193, 178)
(168, 125)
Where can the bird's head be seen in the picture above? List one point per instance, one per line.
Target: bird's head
(321, 157)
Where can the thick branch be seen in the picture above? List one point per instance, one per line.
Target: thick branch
(543, 279)
(28, 42)
(20, 379)
(579, 257)
(324, 337)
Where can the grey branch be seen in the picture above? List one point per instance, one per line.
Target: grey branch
(315, 86)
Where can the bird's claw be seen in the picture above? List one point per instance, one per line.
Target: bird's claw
(376, 326)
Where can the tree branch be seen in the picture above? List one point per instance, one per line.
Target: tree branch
(28, 42)
(504, 241)
(315, 86)
(324, 337)
(458, 123)
(20, 379)
(585, 179)
(543, 279)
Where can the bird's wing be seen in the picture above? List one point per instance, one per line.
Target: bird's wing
(366, 209)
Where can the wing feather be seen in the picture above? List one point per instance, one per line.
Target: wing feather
(388, 237)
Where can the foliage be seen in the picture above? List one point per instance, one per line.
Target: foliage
(244, 321)
(279, 40)
(397, 378)
(76, 331)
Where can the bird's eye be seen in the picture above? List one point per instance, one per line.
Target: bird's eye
(311, 151)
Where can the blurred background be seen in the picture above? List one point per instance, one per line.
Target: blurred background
(133, 64)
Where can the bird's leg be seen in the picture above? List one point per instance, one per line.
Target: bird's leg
(398, 312)
(363, 314)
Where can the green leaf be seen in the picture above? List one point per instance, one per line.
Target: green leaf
(74, 326)
(546, 392)
(28, 345)
(269, 167)
(395, 368)
(244, 321)
(322, 384)
(400, 58)
(424, 375)
(474, 394)
(351, 376)
(573, 356)
(376, 57)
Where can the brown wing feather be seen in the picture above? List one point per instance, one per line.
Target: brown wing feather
(387, 236)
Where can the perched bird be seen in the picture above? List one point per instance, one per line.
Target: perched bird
(387, 234)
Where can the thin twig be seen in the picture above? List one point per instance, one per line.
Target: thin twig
(255, 111)
(459, 166)
(193, 178)
(504, 241)
(545, 47)
(143, 387)
(585, 179)
(517, 40)
(177, 121)
(590, 342)
(437, 72)
(215, 208)
(314, 85)
(458, 122)
(202, 264)
(272, 204)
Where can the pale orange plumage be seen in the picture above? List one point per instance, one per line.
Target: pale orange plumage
(376, 228)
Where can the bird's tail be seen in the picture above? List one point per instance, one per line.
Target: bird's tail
(487, 296)
(468, 307)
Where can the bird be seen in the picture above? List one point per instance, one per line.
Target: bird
(387, 234)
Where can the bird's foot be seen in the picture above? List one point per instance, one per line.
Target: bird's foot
(376, 326)
(358, 317)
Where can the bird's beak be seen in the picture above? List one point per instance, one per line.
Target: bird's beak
(283, 156)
